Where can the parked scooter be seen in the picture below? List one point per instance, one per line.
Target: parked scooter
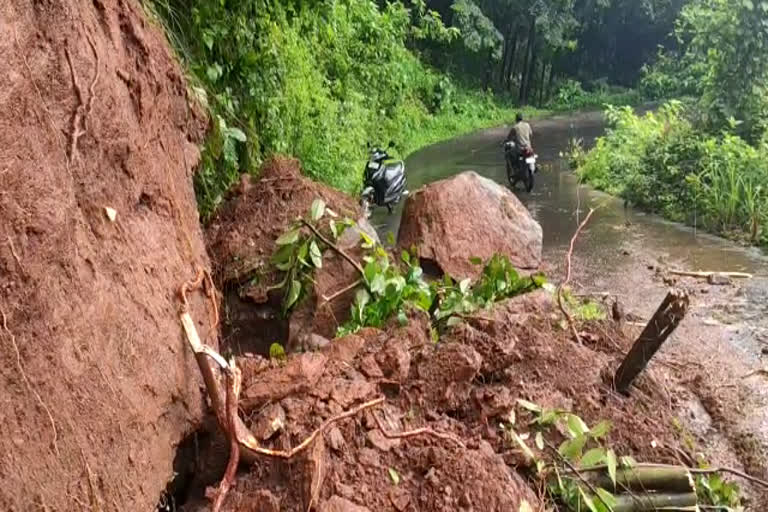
(521, 165)
(383, 180)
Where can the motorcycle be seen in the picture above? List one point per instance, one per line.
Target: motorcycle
(521, 165)
(383, 181)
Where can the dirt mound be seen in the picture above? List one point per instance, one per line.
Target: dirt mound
(462, 388)
(241, 240)
(99, 227)
(436, 221)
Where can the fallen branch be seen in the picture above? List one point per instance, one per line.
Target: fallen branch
(663, 323)
(416, 432)
(31, 389)
(568, 257)
(693, 471)
(654, 502)
(335, 248)
(15, 254)
(91, 88)
(234, 384)
(705, 275)
(341, 292)
(75, 130)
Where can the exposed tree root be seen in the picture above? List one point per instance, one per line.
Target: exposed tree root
(242, 441)
(15, 254)
(335, 248)
(83, 108)
(31, 389)
(568, 258)
(705, 275)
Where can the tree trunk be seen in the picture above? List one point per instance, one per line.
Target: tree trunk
(526, 64)
(512, 61)
(664, 322)
(551, 80)
(488, 69)
(542, 83)
(504, 59)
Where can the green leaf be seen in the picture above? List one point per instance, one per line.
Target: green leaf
(394, 476)
(476, 261)
(524, 447)
(573, 448)
(276, 351)
(588, 501)
(293, 294)
(378, 284)
(464, 286)
(315, 255)
(334, 228)
(237, 134)
(593, 457)
(539, 440)
(601, 429)
(627, 462)
(289, 237)
(525, 404)
(402, 318)
(610, 460)
(406, 257)
(576, 426)
(607, 498)
(391, 238)
(317, 210)
(303, 252)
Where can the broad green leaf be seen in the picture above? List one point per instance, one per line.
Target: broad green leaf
(573, 448)
(464, 285)
(539, 439)
(394, 476)
(610, 460)
(317, 210)
(315, 255)
(293, 293)
(476, 261)
(289, 237)
(283, 254)
(588, 501)
(548, 417)
(402, 318)
(378, 284)
(391, 238)
(601, 429)
(525, 404)
(362, 298)
(303, 252)
(593, 457)
(607, 498)
(334, 228)
(406, 257)
(576, 426)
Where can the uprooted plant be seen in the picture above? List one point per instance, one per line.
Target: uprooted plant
(585, 473)
(387, 288)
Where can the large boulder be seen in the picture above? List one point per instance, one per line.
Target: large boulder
(468, 216)
(97, 232)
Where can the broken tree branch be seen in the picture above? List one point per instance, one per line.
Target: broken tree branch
(341, 292)
(654, 502)
(416, 432)
(705, 275)
(663, 323)
(234, 384)
(568, 257)
(335, 248)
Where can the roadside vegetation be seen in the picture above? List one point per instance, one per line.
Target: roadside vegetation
(319, 80)
(701, 158)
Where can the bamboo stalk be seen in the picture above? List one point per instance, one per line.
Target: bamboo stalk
(654, 502)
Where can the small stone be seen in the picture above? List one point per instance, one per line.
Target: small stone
(431, 477)
(379, 441)
(344, 490)
(400, 499)
(336, 439)
(448, 490)
(316, 342)
(271, 421)
(370, 368)
(369, 457)
(111, 213)
(339, 504)
(267, 502)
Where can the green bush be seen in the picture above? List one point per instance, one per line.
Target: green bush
(570, 95)
(663, 163)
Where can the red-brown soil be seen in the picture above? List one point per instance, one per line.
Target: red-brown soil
(464, 386)
(98, 386)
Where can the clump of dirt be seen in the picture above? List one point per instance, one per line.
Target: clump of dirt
(462, 388)
(98, 142)
(241, 240)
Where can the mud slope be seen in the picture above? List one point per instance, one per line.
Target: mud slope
(96, 385)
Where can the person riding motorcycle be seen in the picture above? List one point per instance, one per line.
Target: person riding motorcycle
(521, 134)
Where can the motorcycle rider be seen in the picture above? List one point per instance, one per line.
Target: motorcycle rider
(521, 134)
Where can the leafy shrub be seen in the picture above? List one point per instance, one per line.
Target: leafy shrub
(570, 95)
(663, 163)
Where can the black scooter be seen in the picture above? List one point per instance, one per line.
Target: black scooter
(383, 182)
